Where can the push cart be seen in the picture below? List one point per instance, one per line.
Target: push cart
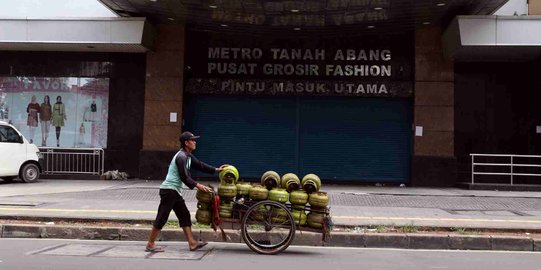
(268, 227)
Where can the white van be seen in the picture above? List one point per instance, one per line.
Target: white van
(18, 157)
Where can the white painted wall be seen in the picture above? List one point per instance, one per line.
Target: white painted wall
(53, 8)
(95, 31)
(499, 30)
(513, 7)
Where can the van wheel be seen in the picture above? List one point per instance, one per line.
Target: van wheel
(7, 179)
(30, 173)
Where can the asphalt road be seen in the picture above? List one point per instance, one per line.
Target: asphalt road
(46, 254)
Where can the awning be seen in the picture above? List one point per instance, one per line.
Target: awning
(81, 34)
(493, 38)
(295, 18)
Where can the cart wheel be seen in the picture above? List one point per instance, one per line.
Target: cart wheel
(268, 227)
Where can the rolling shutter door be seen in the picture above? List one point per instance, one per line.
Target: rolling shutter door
(352, 139)
(360, 139)
(253, 133)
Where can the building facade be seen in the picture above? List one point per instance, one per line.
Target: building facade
(376, 94)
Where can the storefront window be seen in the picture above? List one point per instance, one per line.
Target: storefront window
(68, 112)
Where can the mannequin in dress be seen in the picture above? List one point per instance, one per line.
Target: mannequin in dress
(45, 115)
(32, 121)
(59, 116)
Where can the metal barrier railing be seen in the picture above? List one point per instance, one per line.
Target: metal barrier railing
(72, 160)
(512, 165)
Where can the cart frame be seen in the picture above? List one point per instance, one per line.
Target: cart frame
(268, 227)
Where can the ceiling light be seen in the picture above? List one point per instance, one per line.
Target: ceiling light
(294, 10)
(171, 19)
(223, 25)
(426, 23)
(378, 8)
(440, 4)
(153, 0)
(212, 6)
(370, 27)
(297, 28)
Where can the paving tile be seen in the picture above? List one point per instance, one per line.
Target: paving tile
(468, 242)
(77, 250)
(512, 243)
(124, 251)
(180, 253)
(428, 241)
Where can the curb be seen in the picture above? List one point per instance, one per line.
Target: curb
(149, 222)
(337, 239)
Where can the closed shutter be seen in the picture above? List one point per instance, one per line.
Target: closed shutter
(351, 139)
(356, 139)
(254, 134)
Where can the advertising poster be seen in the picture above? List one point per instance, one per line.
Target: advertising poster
(68, 112)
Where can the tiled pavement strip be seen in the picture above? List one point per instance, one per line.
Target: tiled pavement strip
(454, 203)
(350, 206)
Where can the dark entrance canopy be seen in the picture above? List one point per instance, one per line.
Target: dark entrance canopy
(303, 17)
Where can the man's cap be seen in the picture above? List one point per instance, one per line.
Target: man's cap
(187, 136)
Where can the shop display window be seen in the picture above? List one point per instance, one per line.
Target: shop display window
(68, 112)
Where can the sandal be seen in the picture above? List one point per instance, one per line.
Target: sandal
(154, 249)
(199, 245)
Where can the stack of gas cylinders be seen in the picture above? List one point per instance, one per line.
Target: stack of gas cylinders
(308, 203)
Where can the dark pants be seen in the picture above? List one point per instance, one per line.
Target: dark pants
(171, 200)
(57, 132)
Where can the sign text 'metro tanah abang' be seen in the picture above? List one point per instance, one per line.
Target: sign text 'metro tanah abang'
(299, 62)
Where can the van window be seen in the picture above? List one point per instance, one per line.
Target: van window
(9, 135)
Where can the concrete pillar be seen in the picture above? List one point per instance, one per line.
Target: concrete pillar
(163, 95)
(434, 162)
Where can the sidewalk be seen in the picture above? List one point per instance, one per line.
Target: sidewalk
(353, 208)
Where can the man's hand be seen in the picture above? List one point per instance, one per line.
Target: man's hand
(203, 188)
(221, 168)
